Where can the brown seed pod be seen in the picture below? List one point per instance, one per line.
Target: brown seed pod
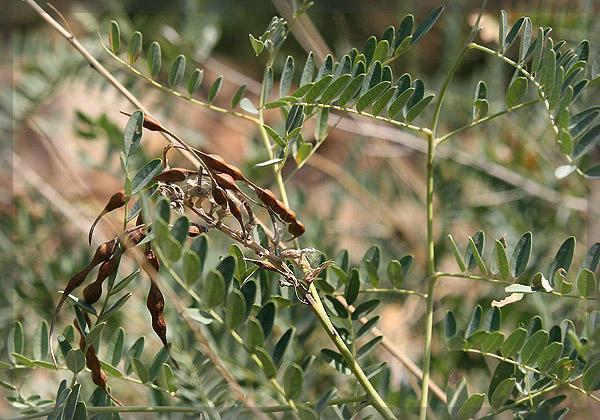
(218, 164)
(289, 216)
(196, 229)
(173, 175)
(93, 363)
(296, 229)
(236, 212)
(93, 291)
(155, 302)
(226, 182)
(280, 209)
(103, 253)
(219, 196)
(267, 197)
(117, 200)
(135, 237)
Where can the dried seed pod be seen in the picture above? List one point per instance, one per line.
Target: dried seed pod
(264, 265)
(280, 209)
(117, 200)
(155, 303)
(93, 291)
(237, 213)
(219, 196)
(267, 197)
(173, 175)
(135, 237)
(296, 229)
(218, 164)
(289, 216)
(103, 253)
(196, 229)
(93, 363)
(226, 182)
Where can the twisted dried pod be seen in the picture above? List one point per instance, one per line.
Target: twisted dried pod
(135, 237)
(93, 363)
(173, 175)
(103, 253)
(296, 228)
(117, 200)
(93, 291)
(155, 302)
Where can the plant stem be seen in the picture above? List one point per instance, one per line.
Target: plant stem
(568, 384)
(185, 409)
(486, 119)
(430, 281)
(374, 398)
(431, 143)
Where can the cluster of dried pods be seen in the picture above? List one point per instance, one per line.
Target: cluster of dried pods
(211, 192)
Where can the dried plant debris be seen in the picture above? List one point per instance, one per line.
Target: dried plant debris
(211, 193)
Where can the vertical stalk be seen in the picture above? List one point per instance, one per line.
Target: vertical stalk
(430, 279)
(431, 144)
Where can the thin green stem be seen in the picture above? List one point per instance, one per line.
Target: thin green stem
(486, 119)
(372, 395)
(568, 384)
(391, 121)
(188, 98)
(431, 144)
(186, 409)
(389, 292)
(505, 282)
(471, 277)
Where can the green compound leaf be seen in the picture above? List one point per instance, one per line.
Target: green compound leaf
(426, 25)
(471, 406)
(514, 342)
(516, 91)
(214, 289)
(502, 392)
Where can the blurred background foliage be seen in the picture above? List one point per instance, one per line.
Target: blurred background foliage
(62, 122)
